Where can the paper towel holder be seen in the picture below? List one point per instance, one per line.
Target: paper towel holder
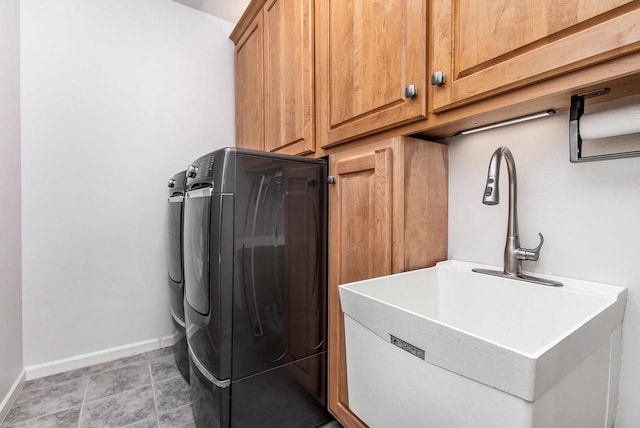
(575, 141)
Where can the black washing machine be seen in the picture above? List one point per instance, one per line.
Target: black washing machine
(177, 186)
(255, 227)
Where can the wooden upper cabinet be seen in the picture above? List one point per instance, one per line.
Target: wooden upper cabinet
(486, 47)
(369, 52)
(288, 61)
(274, 72)
(249, 82)
(387, 214)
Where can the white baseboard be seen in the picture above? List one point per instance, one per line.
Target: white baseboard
(12, 395)
(98, 357)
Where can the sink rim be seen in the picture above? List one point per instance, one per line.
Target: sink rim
(610, 294)
(524, 374)
(607, 293)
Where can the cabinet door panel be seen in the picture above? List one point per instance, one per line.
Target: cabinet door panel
(359, 36)
(369, 52)
(486, 47)
(249, 82)
(361, 223)
(289, 76)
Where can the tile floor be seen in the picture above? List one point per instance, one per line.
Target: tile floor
(142, 391)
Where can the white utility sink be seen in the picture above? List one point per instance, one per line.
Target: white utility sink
(474, 350)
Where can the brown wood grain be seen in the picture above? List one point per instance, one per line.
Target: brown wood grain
(383, 209)
(519, 43)
(388, 213)
(246, 20)
(425, 204)
(289, 73)
(550, 90)
(358, 200)
(486, 29)
(368, 51)
(249, 87)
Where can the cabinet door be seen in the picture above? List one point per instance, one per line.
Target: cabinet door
(249, 82)
(360, 242)
(486, 47)
(369, 51)
(288, 26)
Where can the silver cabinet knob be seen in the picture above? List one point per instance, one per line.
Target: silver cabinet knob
(331, 179)
(411, 91)
(438, 78)
(172, 183)
(192, 171)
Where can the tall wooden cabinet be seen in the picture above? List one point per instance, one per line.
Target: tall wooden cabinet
(274, 78)
(486, 47)
(249, 82)
(387, 214)
(369, 53)
(289, 107)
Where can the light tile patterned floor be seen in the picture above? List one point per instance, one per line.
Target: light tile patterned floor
(142, 391)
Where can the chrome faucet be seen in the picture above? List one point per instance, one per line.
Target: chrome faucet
(513, 254)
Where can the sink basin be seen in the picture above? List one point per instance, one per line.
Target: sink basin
(482, 350)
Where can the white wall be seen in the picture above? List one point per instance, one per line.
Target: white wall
(225, 9)
(588, 213)
(117, 96)
(10, 273)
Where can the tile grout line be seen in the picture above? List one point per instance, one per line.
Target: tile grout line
(86, 391)
(180, 407)
(38, 417)
(108, 397)
(153, 391)
(46, 414)
(84, 398)
(85, 394)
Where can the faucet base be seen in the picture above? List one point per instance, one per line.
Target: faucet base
(519, 277)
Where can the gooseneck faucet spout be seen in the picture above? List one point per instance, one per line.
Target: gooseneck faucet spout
(513, 254)
(512, 264)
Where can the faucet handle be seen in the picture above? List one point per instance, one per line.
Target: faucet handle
(530, 254)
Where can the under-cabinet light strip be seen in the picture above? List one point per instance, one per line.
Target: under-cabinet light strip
(509, 122)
